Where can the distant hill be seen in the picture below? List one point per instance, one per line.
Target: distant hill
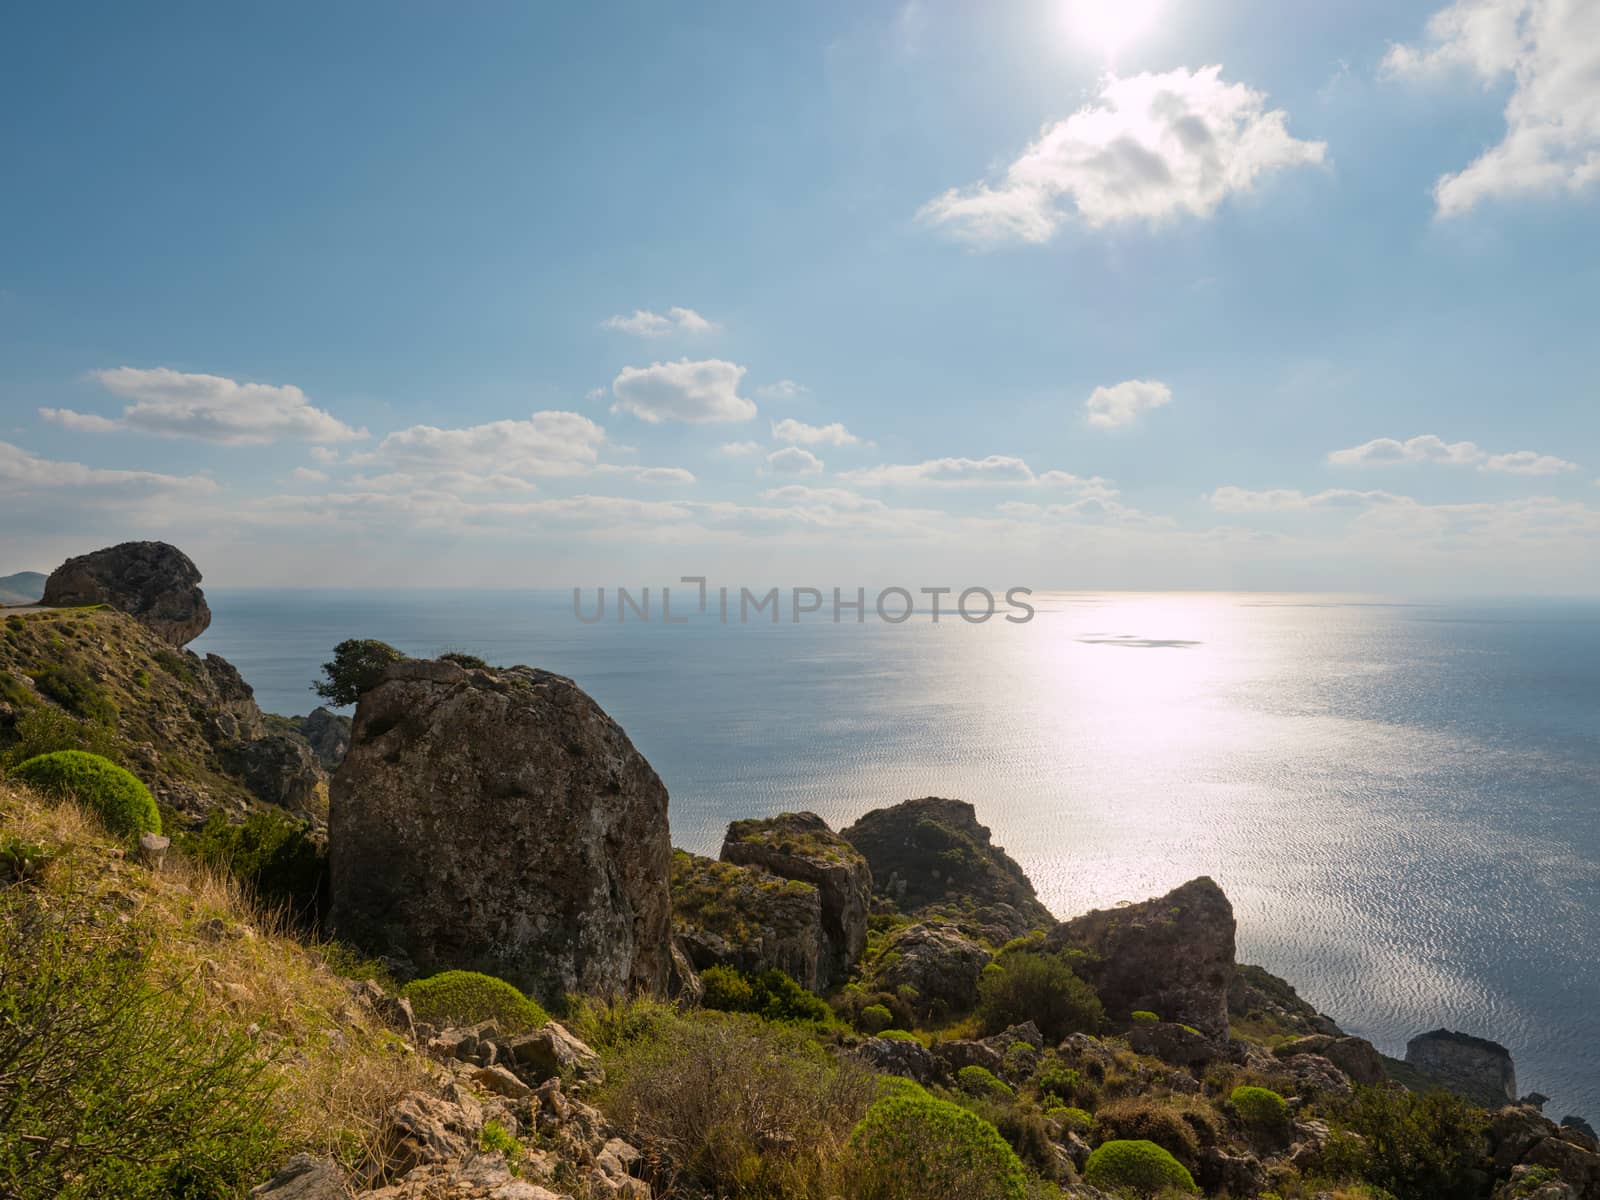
(25, 587)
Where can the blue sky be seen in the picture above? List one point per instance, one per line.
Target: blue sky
(1149, 294)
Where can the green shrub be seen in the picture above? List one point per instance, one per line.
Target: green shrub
(461, 658)
(275, 856)
(899, 1035)
(1136, 1119)
(496, 1137)
(875, 1018)
(1140, 1167)
(467, 997)
(69, 687)
(1029, 986)
(114, 1083)
(610, 1023)
(356, 665)
(1420, 1147)
(1143, 1016)
(123, 804)
(1073, 1120)
(1261, 1109)
(980, 1081)
(46, 729)
(741, 1106)
(1066, 1085)
(771, 995)
(914, 1147)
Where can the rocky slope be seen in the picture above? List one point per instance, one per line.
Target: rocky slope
(22, 587)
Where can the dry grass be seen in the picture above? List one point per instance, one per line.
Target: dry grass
(339, 1068)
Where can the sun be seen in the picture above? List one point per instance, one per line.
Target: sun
(1109, 25)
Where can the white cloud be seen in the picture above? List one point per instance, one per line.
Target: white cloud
(1551, 51)
(644, 323)
(1091, 509)
(792, 460)
(995, 470)
(696, 392)
(498, 454)
(799, 433)
(784, 389)
(1152, 147)
(308, 475)
(739, 449)
(210, 408)
(1243, 500)
(324, 455)
(1430, 448)
(1119, 405)
(652, 475)
(23, 471)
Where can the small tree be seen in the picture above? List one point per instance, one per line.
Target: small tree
(356, 665)
(1025, 985)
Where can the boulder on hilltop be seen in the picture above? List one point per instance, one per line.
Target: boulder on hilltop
(498, 820)
(1172, 956)
(932, 854)
(1474, 1067)
(801, 846)
(156, 584)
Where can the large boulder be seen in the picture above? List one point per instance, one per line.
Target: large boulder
(727, 915)
(1474, 1067)
(801, 846)
(152, 582)
(1356, 1057)
(932, 853)
(328, 735)
(500, 821)
(936, 961)
(1172, 956)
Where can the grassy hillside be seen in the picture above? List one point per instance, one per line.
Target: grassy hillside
(24, 587)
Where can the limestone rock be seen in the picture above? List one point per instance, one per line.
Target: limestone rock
(500, 821)
(153, 849)
(328, 735)
(801, 846)
(898, 1056)
(152, 582)
(1172, 1043)
(936, 960)
(429, 1129)
(1474, 1067)
(929, 852)
(1356, 1057)
(1172, 956)
(282, 770)
(304, 1177)
(552, 1051)
(744, 917)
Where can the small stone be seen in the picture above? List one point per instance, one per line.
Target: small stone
(153, 850)
(502, 1082)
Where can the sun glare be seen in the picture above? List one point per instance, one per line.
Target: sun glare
(1109, 25)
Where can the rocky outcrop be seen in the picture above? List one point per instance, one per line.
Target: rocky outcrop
(1172, 956)
(801, 846)
(282, 770)
(152, 582)
(1172, 1043)
(938, 962)
(1474, 1067)
(1356, 1057)
(499, 820)
(932, 853)
(744, 917)
(328, 735)
(1522, 1137)
(1256, 994)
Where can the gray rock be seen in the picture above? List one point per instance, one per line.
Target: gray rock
(1356, 1057)
(328, 735)
(553, 1052)
(958, 1054)
(897, 1056)
(501, 1081)
(1172, 956)
(1173, 1044)
(729, 915)
(938, 962)
(282, 770)
(153, 850)
(304, 1177)
(1475, 1067)
(499, 821)
(152, 582)
(801, 846)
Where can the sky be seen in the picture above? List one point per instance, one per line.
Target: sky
(1059, 293)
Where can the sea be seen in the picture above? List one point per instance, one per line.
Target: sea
(1402, 800)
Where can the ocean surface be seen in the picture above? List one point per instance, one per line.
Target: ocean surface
(1402, 800)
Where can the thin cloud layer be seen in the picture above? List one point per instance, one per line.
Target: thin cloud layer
(497, 452)
(792, 460)
(209, 408)
(1152, 147)
(1550, 50)
(22, 471)
(644, 323)
(994, 470)
(1430, 448)
(697, 393)
(799, 433)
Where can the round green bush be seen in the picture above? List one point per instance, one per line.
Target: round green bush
(1143, 1016)
(899, 1035)
(123, 804)
(1143, 1168)
(980, 1081)
(1073, 1120)
(1260, 1108)
(467, 997)
(911, 1147)
(727, 990)
(875, 1018)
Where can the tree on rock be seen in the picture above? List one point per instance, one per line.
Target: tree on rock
(356, 665)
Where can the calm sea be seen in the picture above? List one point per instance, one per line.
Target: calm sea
(1403, 801)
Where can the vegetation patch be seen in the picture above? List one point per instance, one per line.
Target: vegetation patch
(1027, 985)
(1142, 1168)
(123, 804)
(1261, 1109)
(468, 997)
(912, 1147)
(769, 994)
